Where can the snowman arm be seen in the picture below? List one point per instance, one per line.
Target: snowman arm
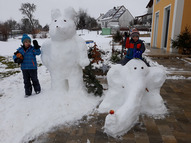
(83, 55)
(156, 77)
(45, 49)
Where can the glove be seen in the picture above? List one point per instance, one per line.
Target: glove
(17, 60)
(35, 43)
(137, 54)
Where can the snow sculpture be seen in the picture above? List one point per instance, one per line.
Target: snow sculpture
(133, 89)
(65, 54)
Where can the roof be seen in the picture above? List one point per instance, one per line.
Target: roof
(119, 13)
(150, 4)
(101, 15)
(143, 15)
(114, 13)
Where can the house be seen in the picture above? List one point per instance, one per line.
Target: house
(116, 17)
(14, 33)
(99, 19)
(146, 19)
(170, 17)
(150, 6)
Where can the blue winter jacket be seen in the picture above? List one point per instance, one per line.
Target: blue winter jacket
(29, 57)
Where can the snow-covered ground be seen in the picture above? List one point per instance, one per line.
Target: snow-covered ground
(24, 118)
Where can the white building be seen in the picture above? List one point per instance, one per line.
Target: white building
(116, 17)
(99, 19)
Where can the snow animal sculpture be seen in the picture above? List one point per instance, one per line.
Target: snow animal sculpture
(132, 89)
(65, 54)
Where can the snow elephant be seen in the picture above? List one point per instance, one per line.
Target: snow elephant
(133, 89)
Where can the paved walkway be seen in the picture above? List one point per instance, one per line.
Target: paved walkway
(176, 64)
(174, 128)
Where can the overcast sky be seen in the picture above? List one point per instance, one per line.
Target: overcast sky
(10, 8)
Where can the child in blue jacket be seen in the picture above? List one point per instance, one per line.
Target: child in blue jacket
(26, 56)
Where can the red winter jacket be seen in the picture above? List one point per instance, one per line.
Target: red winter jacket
(132, 46)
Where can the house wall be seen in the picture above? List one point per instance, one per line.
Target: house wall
(150, 10)
(160, 7)
(98, 22)
(177, 19)
(125, 19)
(186, 20)
(99, 19)
(113, 24)
(104, 23)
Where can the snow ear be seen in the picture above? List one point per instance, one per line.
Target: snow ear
(70, 13)
(55, 13)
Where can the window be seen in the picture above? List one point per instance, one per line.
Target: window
(166, 20)
(155, 29)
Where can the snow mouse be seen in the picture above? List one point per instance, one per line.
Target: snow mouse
(65, 54)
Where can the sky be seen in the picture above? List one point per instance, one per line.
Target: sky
(9, 9)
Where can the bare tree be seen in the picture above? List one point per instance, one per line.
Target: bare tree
(91, 23)
(82, 14)
(85, 21)
(12, 24)
(28, 10)
(26, 26)
(4, 31)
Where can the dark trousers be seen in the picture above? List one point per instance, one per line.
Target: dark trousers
(28, 76)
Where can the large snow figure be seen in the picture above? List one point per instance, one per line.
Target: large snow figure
(133, 89)
(65, 54)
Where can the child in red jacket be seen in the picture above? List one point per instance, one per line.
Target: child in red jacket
(135, 47)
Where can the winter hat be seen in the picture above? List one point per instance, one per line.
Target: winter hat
(134, 32)
(25, 37)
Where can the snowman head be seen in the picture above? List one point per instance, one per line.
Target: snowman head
(137, 68)
(62, 27)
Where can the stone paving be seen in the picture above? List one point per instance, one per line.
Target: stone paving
(176, 64)
(173, 128)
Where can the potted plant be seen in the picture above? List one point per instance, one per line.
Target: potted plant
(183, 42)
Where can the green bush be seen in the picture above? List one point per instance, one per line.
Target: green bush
(115, 58)
(183, 42)
(92, 84)
(117, 37)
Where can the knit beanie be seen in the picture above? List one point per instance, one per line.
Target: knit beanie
(134, 32)
(25, 38)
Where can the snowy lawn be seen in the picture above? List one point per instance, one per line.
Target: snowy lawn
(24, 118)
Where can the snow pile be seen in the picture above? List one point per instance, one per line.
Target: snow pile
(24, 118)
(65, 54)
(133, 89)
(177, 77)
